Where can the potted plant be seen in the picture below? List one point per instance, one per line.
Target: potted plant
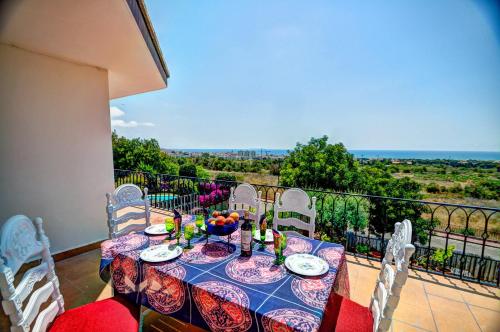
(439, 257)
(362, 248)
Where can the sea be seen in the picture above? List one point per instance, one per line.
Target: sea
(390, 154)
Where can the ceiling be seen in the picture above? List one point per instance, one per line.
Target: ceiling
(104, 34)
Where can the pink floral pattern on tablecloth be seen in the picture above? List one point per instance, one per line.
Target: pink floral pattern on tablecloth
(294, 245)
(111, 248)
(314, 292)
(282, 320)
(223, 306)
(157, 239)
(331, 255)
(163, 286)
(212, 252)
(124, 271)
(235, 237)
(255, 270)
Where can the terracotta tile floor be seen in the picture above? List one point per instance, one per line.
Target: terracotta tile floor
(431, 302)
(428, 302)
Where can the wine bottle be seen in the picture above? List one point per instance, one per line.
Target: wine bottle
(178, 225)
(246, 236)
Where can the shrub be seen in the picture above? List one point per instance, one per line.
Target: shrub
(440, 256)
(432, 188)
(227, 180)
(225, 177)
(339, 212)
(485, 189)
(422, 228)
(362, 248)
(456, 189)
(182, 187)
(188, 170)
(202, 173)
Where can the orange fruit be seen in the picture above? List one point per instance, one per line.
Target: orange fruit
(215, 214)
(235, 216)
(229, 221)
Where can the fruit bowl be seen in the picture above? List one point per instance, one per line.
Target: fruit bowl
(222, 223)
(221, 230)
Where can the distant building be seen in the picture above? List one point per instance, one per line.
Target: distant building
(247, 154)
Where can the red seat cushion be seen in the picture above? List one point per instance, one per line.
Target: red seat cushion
(113, 314)
(344, 315)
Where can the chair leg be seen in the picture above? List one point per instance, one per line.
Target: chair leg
(143, 312)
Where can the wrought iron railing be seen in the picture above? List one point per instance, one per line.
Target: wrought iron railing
(457, 240)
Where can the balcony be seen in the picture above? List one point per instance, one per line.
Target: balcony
(452, 240)
(429, 302)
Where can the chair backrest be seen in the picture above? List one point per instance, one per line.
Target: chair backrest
(389, 283)
(295, 200)
(127, 195)
(20, 241)
(245, 194)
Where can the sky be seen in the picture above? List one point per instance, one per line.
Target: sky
(420, 75)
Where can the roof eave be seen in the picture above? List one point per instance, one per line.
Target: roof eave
(140, 13)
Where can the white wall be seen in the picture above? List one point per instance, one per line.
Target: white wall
(56, 158)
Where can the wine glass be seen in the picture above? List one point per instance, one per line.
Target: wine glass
(188, 234)
(263, 231)
(199, 222)
(278, 247)
(283, 245)
(169, 226)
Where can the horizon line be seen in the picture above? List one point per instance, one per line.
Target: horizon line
(357, 149)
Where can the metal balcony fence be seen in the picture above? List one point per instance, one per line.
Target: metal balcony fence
(456, 240)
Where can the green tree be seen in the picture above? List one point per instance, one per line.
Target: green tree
(319, 164)
(202, 173)
(141, 155)
(339, 213)
(385, 212)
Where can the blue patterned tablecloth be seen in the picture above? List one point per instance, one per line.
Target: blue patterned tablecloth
(212, 287)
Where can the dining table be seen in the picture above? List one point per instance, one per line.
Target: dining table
(213, 287)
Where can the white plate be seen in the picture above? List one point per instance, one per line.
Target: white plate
(269, 235)
(158, 229)
(306, 265)
(161, 253)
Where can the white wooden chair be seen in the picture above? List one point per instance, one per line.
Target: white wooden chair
(127, 195)
(295, 200)
(246, 197)
(389, 284)
(21, 242)
(378, 316)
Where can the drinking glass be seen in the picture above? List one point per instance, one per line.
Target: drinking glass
(169, 226)
(188, 234)
(283, 242)
(278, 247)
(199, 222)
